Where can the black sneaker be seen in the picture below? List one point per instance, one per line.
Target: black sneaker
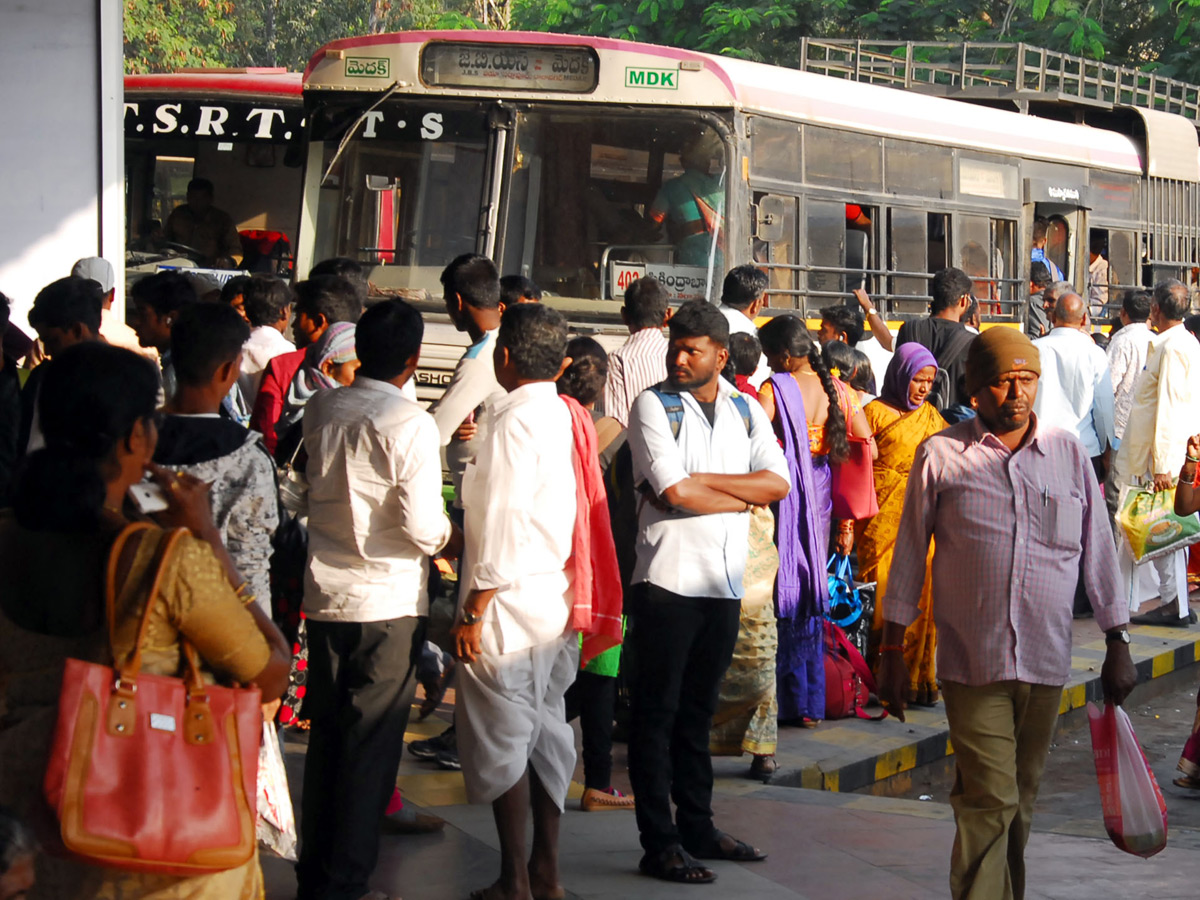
(448, 759)
(430, 748)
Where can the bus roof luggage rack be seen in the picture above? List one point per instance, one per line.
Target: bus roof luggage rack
(993, 72)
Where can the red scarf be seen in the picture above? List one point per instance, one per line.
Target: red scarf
(597, 610)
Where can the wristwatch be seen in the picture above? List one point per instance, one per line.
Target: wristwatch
(872, 312)
(1115, 637)
(470, 618)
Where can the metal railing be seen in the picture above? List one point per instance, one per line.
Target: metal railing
(959, 68)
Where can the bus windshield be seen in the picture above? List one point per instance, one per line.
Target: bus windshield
(405, 194)
(587, 201)
(598, 198)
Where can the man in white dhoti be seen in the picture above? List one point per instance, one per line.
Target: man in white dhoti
(1164, 413)
(513, 632)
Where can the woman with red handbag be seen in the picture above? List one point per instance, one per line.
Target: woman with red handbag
(815, 416)
(87, 588)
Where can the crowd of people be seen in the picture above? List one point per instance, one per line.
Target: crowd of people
(654, 523)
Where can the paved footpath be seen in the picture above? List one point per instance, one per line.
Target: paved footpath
(823, 846)
(825, 843)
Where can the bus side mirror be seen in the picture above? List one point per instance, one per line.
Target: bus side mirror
(770, 217)
(381, 183)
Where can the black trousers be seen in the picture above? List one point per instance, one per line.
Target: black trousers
(361, 684)
(593, 698)
(679, 649)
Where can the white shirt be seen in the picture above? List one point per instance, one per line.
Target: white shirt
(1166, 408)
(691, 555)
(1075, 390)
(1127, 353)
(519, 507)
(740, 323)
(375, 503)
(471, 390)
(639, 363)
(265, 343)
(878, 357)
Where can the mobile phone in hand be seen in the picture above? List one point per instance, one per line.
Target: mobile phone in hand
(148, 497)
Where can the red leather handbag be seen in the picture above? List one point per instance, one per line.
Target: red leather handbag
(151, 773)
(853, 485)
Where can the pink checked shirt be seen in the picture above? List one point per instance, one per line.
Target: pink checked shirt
(1013, 533)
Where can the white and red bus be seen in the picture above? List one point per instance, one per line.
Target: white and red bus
(242, 129)
(584, 162)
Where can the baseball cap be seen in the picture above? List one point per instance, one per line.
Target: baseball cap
(97, 269)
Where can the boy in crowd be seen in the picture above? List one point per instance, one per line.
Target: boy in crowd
(376, 516)
(744, 352)
(319, 302)
(516, 289)
(206, 346)
(642, 360)
(512, 635)
(65, 312)
(157, 301)
(471, 288)
(267, 304)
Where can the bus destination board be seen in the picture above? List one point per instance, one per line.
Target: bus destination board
(522, 67)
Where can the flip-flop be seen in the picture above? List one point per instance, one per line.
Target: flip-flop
(740, 852)
(677, 865)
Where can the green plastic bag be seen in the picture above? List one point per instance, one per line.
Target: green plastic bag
(1150, 525)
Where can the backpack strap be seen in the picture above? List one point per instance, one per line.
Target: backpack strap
(743, 408)
(673, 406)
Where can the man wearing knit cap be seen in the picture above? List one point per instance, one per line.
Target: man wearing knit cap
(1018, 520)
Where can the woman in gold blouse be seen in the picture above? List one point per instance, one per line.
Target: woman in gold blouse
(96, 411)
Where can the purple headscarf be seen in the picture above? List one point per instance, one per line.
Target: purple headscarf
(910, 359)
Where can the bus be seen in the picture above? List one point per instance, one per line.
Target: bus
(584, 163)
(242, 129)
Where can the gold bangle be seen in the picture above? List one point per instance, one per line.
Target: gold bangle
(248, 599)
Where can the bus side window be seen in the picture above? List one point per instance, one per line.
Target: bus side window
(825, 248)
(908, 245)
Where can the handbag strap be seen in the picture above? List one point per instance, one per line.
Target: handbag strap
(128, 671)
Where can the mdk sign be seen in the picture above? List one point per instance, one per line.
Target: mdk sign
(657, 79)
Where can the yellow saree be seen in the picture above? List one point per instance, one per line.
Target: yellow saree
(897, 435)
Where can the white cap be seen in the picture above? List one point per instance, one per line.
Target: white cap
(96, 269)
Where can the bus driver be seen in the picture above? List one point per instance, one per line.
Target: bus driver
(693, 204)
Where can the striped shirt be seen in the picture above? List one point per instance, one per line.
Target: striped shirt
(639, 363)
(1013, 532)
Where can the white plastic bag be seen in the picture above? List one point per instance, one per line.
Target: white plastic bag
(276, 826)
(1135, 814)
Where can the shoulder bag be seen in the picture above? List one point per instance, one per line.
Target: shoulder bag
(151, 773)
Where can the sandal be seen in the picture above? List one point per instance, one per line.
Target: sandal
(739, 852)
(1186, 781)
(763, 766)
(677, 865)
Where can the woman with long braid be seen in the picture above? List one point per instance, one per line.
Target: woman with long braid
(810, 410)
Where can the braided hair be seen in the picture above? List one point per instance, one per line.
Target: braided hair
(790, 334)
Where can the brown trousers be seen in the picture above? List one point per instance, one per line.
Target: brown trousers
(1001, 734)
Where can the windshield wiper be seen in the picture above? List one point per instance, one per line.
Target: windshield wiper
(345, 141)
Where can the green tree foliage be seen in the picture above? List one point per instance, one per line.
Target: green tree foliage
(161, 35)
(1154, 34)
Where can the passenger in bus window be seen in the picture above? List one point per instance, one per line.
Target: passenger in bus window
(1100, 274)
(1036, 321)
(692, 206)
(1041, 228)
(207, 230)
